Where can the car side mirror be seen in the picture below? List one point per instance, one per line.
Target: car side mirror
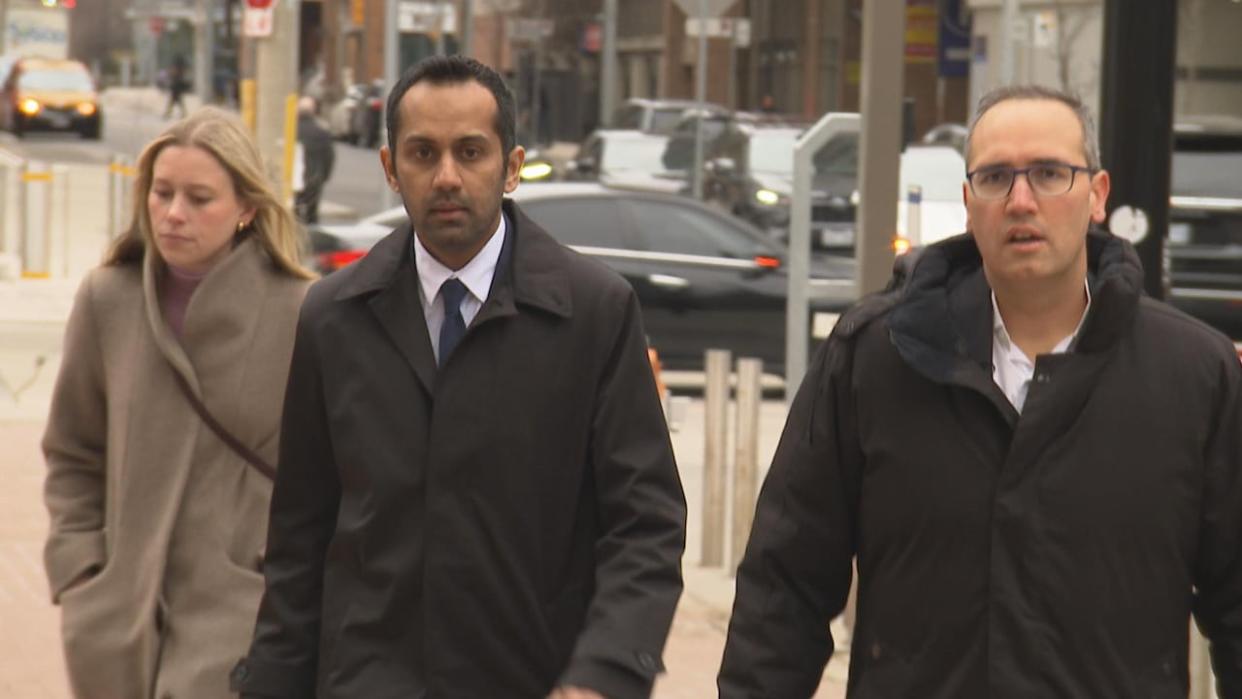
(585, 165)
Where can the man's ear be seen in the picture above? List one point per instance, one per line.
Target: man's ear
(1100, 186)
(390, 169)
(513, 168)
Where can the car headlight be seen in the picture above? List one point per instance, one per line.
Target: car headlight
(767, 197)
(29, 107)
(536, 171)
(86, 108)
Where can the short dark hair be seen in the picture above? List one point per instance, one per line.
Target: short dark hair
(441, 70)
(1090, 146)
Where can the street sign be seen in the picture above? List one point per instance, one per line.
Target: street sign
(529, 29)
(257, 22)
(715, 8)
(426, 18)
(720, 28)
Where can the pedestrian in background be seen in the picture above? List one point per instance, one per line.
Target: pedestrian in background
(1038, 468)
(318, 156)
(481, 500)
(178, 85)
(165, 421)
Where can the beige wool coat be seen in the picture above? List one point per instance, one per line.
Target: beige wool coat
(157, 528)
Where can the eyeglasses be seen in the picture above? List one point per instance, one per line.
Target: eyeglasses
(1046, 179)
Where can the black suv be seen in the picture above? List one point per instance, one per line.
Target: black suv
(1205, 232)
(749, 171)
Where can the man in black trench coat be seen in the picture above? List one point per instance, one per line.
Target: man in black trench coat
(476, 493)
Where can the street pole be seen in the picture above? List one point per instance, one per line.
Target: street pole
(440, 42)
(392, 35)
(879, 154)
(700, 94)
(276, 98)
(608, 77)
(204, 49)
(467, 27)
(1008, 47)
(1136, 106)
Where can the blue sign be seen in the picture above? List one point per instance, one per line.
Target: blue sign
(954, 50)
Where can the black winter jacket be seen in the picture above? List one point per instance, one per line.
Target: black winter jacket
(1055, 554)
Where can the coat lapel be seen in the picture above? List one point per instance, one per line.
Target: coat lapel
(387, 277)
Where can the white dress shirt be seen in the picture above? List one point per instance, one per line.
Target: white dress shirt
(1012, 370)
(476, 276)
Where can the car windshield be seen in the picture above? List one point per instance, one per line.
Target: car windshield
(665, 120)
(59, 80)
(1208, 167)
(772, 153)
(633, 154)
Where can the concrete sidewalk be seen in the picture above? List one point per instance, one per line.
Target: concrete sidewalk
(32, 317)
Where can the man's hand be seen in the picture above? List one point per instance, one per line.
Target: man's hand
(574, 693)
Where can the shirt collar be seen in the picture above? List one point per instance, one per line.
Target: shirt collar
(476, 275)
(1001, 333)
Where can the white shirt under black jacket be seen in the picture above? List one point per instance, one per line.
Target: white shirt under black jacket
(476, 275)
(1012, 370)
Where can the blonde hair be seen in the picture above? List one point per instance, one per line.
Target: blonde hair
(224, 136)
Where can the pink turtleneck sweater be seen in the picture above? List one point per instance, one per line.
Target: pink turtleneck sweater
(179, 286)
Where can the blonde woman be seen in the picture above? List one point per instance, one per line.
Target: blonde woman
(165, 421)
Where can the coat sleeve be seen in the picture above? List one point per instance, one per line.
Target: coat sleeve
(283, 659)
(642, 514)
(74, 448)
(1218, 575)
(795, 575)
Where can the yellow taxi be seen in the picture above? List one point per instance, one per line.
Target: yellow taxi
(44, 94)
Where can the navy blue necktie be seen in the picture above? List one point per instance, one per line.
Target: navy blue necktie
(452, 292)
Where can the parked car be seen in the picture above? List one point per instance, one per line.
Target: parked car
(659, 116)
(625, 158)
(44, 94)
(1204, 246)
(704, 279)
(356, 118)
(749, 172)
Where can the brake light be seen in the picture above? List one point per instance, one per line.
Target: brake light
(29, 107)
(376, 104)
(767, 261)
(332, 261)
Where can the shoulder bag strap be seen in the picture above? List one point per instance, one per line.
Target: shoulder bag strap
(225, 436)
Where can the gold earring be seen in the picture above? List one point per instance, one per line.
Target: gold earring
(241, 225)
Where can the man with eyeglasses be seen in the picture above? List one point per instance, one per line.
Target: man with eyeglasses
(1038, 468)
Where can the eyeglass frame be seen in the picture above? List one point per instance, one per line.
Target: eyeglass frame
(1015, 171)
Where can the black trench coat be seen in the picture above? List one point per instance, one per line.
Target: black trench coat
(507, 523)
(1055, 555)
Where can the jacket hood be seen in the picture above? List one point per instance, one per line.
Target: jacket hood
(942, 321)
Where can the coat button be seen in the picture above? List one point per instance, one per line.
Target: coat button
(647, 661)
(876, 651)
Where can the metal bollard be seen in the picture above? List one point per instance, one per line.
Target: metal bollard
(10, 203)
(914, 215)
(120, 172)
(57, 226)
(716, 405)
(746, 456)
(35, 217)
